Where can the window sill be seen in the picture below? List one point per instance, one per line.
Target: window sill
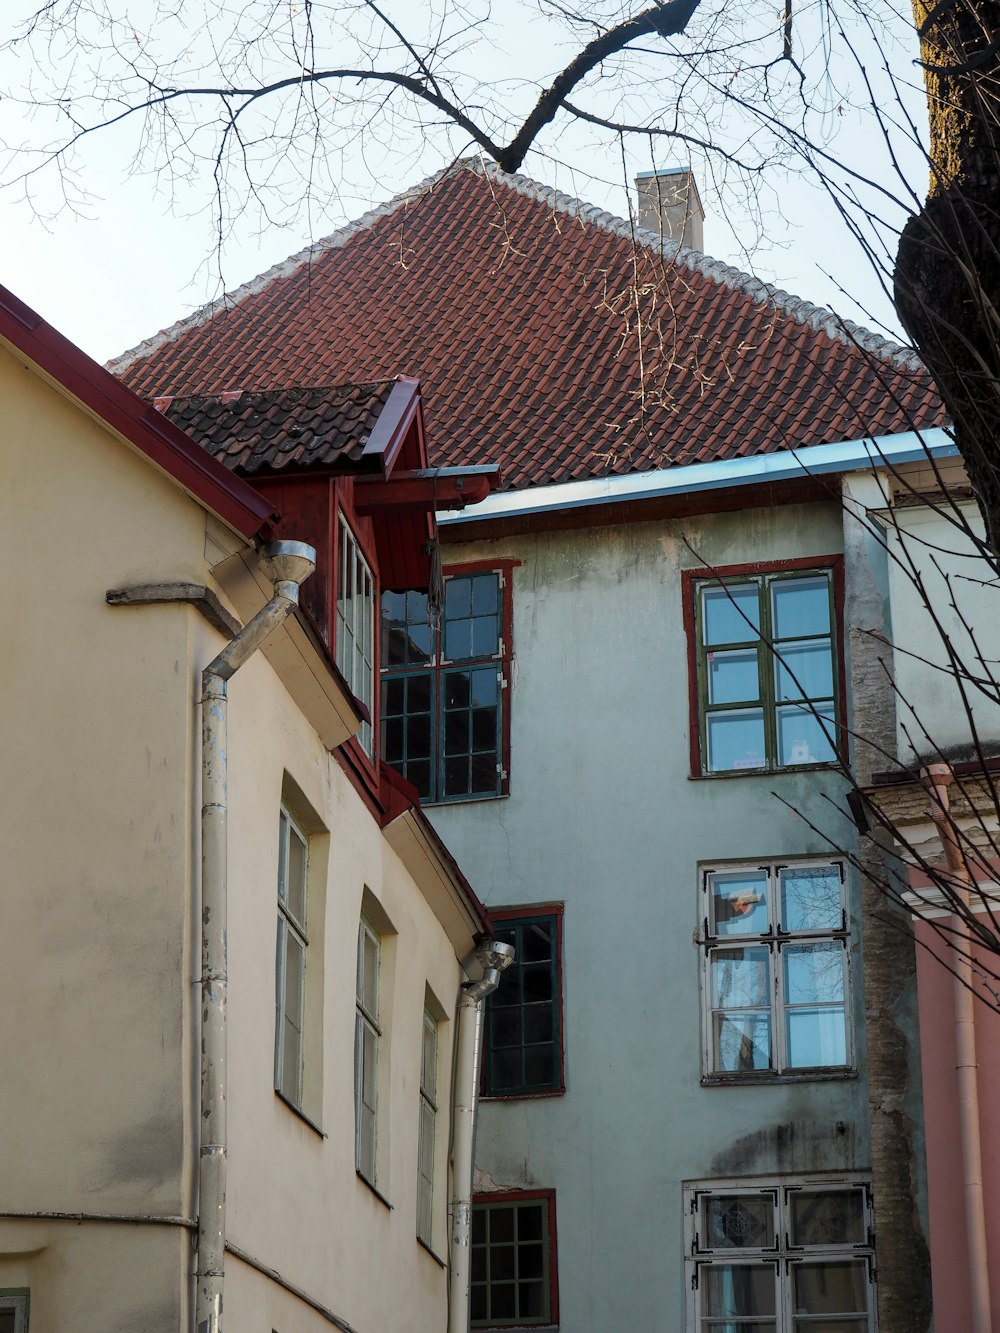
(436, 1257)
(767, 1079)
(464, 800)
(831, 767)
(540, 1095)
(381, 1197)
(297, 1111)
(515, 1328)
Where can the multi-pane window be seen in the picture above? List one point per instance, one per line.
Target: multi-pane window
(428, 1128)
(781, 1258)
(766, 671)
(366, 1043)
(290, 970)
(776, 969)
(14, 1310)
(443, 679)
(513, 1261)
(523, 1045)
(355, 639)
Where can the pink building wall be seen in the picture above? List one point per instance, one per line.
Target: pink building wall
(949, 1270)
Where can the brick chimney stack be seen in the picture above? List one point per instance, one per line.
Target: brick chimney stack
(669, 205)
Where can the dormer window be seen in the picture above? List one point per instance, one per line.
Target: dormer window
(355, 633)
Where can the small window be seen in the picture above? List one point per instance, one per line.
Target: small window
(781, 1258)
(428, 1128)
(355, 638)
(443, 683)
(290, 969)
(514, 1261)
(766, 670)
(367, 1035)
(776, 965)
(523, 1021)
(14, 1310)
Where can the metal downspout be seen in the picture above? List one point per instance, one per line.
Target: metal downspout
(937, 778)
(494, 958)
(287, 563)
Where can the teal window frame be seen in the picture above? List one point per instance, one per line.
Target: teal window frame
(292, 940)
(367, 1040)
(512, 1007)
(779, 693)
(427, 1132)
(16, 1301)
(432, 721)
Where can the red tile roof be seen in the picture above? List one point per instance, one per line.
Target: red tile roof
(308, 427)
(548, 337)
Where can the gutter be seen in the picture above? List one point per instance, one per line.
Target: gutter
(787, 464)
(494, 958)
(287, 563)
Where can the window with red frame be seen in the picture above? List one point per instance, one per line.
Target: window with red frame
(444, 680)
(523, 1020)
(513, 1279)
(765, 675)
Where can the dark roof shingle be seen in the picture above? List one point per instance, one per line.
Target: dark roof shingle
(548, 337)
(268, 430)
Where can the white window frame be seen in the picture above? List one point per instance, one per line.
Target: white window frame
(355, 635)
(776, 1250)
(290, 1008)
(367, 1037)
(774, 939)
(427, 1130)
(16, 1299)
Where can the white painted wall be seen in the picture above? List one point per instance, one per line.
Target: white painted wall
(946, 634)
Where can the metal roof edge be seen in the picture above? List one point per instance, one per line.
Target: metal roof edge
(814, 460)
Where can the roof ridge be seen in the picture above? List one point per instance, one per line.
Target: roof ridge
(817, 318)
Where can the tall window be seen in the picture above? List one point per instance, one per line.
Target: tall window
(366, 1042)
(355, 645)
(523, 1045)
(776, 969)
(428, 1128)
(766, 670)
(290, 972)
(14, 1310)
(442, 687)
(781, 1258)
(514, 1260)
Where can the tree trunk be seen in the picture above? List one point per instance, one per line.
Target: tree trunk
(947, 277)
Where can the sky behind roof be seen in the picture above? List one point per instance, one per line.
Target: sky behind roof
(138, 255)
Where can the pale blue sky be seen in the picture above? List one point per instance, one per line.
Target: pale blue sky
(133, 260)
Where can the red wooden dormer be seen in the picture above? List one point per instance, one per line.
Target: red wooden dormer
(346, 470)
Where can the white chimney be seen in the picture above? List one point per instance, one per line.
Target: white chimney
(670, 206)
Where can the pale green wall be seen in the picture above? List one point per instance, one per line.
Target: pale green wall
(603, 815)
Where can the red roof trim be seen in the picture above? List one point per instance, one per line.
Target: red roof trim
(231, 498)
(398, 797)
(393, 422)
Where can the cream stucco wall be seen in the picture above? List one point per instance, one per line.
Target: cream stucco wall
(99, 829)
